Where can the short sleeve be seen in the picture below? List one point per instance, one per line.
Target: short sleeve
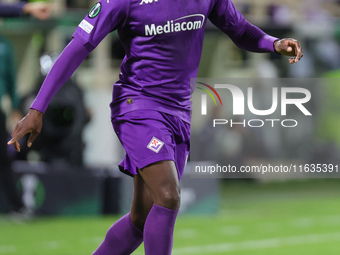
(104, 17)
(226, 17)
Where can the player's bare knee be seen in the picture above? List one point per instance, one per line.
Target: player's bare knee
(169, 198)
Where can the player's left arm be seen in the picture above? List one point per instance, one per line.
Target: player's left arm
(249, 37)
(255, 40)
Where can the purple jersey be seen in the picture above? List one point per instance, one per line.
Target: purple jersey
(163, 42)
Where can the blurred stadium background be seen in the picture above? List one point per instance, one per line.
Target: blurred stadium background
(70, 179)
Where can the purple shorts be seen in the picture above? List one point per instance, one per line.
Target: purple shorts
(150, 136)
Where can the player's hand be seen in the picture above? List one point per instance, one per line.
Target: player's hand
(289, 47)
(31, 123)
(38, 10)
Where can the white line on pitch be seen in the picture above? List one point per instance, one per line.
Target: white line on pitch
(52, 245)
(92, 240)
(304, 222)
(187, 233)
(6, 249)
(259, 244)
(231, 230)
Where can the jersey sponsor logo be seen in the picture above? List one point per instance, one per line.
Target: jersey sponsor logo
(95, 10)
(186, 23)
(86, 26)
(147, 1)
(155, 144)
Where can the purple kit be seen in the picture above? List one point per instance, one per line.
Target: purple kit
(163, 42)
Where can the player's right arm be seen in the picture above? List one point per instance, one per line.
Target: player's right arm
(103, 18)
(70, 59)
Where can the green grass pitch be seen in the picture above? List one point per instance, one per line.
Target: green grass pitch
(295, 218)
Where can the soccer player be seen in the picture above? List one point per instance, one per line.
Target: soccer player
(151, 100)
(38, 10)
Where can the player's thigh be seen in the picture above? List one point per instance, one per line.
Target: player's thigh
(161, 178)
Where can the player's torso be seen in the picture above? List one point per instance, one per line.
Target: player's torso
(163, 41)
(166, 35)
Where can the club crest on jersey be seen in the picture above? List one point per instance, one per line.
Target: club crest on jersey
(155, 144)
(147, 1)
(95, 10)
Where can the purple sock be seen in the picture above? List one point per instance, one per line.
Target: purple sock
(122, 238)
(158, 230)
